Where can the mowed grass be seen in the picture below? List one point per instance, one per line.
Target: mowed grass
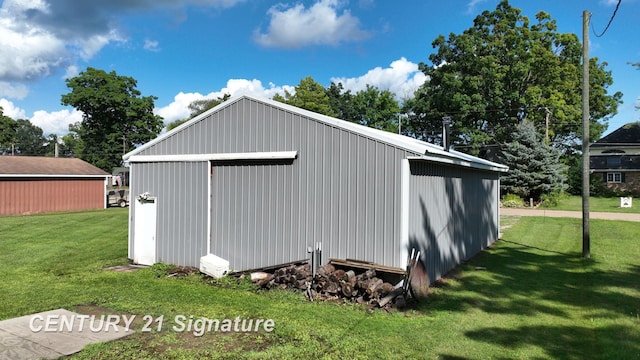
(596, 204)
(530, 296)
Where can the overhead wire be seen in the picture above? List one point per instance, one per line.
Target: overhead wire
(608, 24)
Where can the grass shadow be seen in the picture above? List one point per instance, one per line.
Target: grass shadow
(567, 342)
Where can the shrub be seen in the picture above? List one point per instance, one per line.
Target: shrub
(512, 201)
(552, 199)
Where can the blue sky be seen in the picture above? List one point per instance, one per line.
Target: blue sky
(184, 50)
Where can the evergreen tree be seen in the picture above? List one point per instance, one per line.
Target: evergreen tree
(534, 167)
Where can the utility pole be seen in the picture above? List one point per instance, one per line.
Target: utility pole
(546, 121)
(586, 240)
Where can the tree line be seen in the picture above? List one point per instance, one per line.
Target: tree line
(511, 86)
(21, 137)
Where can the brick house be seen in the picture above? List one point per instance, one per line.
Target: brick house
(616, 159)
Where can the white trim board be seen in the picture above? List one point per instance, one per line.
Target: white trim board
(405, 176)
(53, 176)
(274, 155)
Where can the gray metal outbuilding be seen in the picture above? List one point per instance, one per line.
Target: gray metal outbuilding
(257, 182)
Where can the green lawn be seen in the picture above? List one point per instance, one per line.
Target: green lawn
(596, 204)
(530, 296)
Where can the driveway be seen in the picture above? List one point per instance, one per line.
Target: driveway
(570, 214)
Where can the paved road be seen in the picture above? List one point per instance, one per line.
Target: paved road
(571, 214)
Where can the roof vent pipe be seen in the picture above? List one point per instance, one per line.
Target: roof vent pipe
(446, 126)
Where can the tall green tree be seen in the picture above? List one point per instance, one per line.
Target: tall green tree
(377, 109)
(72, 144)
(341, 101)
(116, 117)
(503, 70)
(7, 133)
(29, 139)
(308, 95)
(534, 167)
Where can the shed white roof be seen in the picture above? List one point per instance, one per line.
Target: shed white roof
(425, 150)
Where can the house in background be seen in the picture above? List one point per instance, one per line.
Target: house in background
(32, 184)
(616, 159)
(257, 183)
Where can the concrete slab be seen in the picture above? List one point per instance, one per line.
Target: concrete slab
(54, 333)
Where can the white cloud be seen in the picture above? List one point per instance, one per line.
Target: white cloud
(402, 78)
(471, 6)
(151, 45)
(88, 47)
(40, 37)
(28, 52)
(13, 90)
(320, 24)
(10, 110)
(72, 71)
(179, 108)
(56, 122)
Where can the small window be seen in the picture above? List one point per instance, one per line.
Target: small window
(613, 161)
(614, 177)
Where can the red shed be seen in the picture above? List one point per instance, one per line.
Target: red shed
(30, 184)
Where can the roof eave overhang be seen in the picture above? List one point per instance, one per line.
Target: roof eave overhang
(463, 163)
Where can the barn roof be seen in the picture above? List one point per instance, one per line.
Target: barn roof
(626, 135)
(40, 166)
(422, 149)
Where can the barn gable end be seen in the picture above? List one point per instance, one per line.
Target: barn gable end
(258, 182)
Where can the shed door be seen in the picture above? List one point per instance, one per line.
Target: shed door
(251, 214)
(144, 243)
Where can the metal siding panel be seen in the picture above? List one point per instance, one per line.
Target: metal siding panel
(343, 189)
(181, 190)
(253, 222)
(452, 214)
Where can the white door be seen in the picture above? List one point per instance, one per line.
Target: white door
(144, 232)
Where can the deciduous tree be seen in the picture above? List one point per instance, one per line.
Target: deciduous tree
(29, 139)
(7, 132)
(503, 70)
(308, 95)
(116, 117)
(377, 109)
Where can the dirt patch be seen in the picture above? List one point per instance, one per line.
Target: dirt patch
(182, 271)
(154, 344)
(124, 268)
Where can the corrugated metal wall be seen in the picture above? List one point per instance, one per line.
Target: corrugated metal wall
(343, 190)
(181, 191)
(33, 195)
(453, 214)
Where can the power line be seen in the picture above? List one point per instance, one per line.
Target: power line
(610, 21)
